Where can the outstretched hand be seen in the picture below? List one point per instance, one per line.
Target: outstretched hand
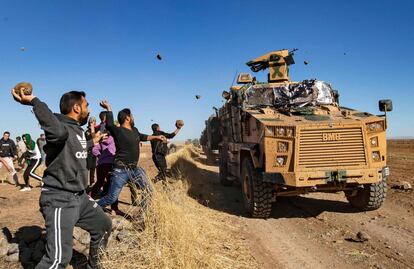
(98, 137)
(24, 99)
(105, 105)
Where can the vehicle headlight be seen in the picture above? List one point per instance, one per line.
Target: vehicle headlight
(281, 131)
(284, 131)
(376, 156)
(282, 147)
(281, 160)
(374, 141)
(375, 126)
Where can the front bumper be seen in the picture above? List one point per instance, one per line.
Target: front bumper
(314, 178)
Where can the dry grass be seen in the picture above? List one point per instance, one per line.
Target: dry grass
(180, 233)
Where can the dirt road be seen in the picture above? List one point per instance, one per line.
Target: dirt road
(310, 231)
(316, 231)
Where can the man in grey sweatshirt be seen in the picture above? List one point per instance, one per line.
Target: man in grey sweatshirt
(63, 200)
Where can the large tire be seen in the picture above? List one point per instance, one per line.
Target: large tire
(223, 171)
(210, 158)
(371, 197)
(257, 195)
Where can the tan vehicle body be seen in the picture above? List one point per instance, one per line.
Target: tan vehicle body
(333, 149)
(317, 149)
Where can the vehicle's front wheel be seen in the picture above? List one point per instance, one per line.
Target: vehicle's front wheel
(370, 197)
(257, 195)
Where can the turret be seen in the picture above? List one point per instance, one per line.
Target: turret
(278, 63)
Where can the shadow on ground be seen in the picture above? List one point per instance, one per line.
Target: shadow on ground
(79, 260)
(207, 190)
(28, 244)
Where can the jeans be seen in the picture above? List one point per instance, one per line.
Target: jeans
(122, 176)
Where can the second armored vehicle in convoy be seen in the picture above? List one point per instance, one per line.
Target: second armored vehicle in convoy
(283, 138)
(210, 138)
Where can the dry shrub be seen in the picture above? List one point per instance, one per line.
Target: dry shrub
(180, 233)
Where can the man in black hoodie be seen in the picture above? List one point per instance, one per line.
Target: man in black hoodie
(8, 153)
(63, 200)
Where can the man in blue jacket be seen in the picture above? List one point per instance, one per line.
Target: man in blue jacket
(63, 200)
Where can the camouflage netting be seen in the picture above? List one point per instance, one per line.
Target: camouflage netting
(296, 95)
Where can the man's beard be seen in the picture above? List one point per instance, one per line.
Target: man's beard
(83, 119)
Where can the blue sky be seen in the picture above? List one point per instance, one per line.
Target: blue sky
(108, 49)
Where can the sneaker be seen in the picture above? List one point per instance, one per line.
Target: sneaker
(26, 189)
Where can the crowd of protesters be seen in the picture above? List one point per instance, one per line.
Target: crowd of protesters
(29, 155)
(70, 195)
(26, 152)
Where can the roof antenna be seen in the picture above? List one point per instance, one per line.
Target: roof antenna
(234, 78)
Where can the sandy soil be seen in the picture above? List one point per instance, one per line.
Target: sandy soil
(303, 232)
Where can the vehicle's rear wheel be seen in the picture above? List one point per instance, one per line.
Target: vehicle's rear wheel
(223, 171)
(210, 158)
(370, 197)
(257, 195)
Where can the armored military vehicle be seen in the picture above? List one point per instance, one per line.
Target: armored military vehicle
(210, 138)
(284, 138)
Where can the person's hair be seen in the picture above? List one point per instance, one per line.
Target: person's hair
(42, 135)
(154, 127)
(6, 132)
(69, 99)
(18, 138)
(102, 115)
(123, 114)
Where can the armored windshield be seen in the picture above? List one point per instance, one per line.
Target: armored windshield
(260, 95)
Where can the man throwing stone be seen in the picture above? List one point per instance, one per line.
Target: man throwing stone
(63, 200)
(160, 149)
(127, 140)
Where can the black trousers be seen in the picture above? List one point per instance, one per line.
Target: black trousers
(161, 164)
(103, 175)
(33, 164)
(62, 211)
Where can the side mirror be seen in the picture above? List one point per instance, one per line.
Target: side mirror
(385, 105)
(336, 95)
(226, 95)
(215, 110)
(244, 78)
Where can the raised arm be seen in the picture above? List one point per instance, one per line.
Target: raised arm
(144, 137)
(55, 131)
(178, 124)
(109, 123)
